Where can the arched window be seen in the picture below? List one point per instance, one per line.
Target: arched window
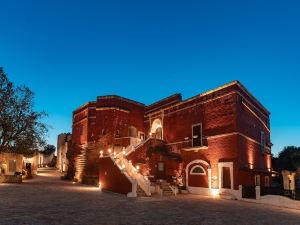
(132, 131)
(157, 129)
(198, 170)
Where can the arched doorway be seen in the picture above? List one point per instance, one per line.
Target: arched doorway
(3, 168)
(157, 129)
(198, 176)
(132, 131)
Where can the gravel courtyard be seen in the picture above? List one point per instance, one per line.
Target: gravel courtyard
(48, 200)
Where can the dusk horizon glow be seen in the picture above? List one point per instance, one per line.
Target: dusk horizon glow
(68, 54)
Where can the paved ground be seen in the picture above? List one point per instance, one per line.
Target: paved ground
(48, 200)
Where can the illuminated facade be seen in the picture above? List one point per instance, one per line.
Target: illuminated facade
(209, 143)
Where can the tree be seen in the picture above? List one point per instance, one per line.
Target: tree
(21, 129)
(49, 149)
(288, 159)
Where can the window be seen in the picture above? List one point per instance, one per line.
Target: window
(132, 131)
(198, 170)
(267, 181)
(257, 180)
(81, 130)
(197, 135)
(12, 166)
(262, 142)
(117, 133)
(161, 166)
(103, 132)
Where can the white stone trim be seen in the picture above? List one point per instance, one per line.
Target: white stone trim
(220, 166)
(205, 101)
(257, 117)
(199, 190)
(112, 108)
(187, 172)
(198, 174)
(194, 125)
(219, 136)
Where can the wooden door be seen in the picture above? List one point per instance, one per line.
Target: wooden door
(161, 170)
(197, 135)
(226, 182)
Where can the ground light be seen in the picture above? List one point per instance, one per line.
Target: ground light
(215, 192)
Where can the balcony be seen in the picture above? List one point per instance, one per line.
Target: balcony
(203, 146)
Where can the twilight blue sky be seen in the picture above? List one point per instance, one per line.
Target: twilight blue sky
(68, 52)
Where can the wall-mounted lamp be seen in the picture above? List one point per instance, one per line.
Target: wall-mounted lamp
(251, 166)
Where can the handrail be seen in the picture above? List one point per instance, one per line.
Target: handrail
(139, 145)
(127, 167)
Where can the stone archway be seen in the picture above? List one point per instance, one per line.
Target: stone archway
(157, 129)
(3, 168)
(198, 170)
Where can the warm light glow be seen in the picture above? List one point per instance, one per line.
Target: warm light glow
(215, 192)
(137, 167)
(115, 153)
(123, 166)
(124, 152)
(109, 150)
(73, 182)
(251, 166)
(99, 185)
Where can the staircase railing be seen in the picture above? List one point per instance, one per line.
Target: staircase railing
(133, 148)
(127, 167)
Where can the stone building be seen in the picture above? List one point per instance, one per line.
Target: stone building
(10, 163)
(63, 143)
(212, 142)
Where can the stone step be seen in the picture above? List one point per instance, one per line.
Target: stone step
(140, 192)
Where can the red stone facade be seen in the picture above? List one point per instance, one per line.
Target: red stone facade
(216, 140)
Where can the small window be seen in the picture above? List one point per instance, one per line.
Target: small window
(257, 180)
(81, 130)
(132, 132)
(12, 166)
(103, 132)
(262, 142)
(197, 135)
(267, 181)
(117, 133)
(198, 170)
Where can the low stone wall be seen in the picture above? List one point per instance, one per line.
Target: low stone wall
(274, 200)
(111, 178)
(10, 179)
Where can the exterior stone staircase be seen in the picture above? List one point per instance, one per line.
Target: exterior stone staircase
(140, 192)
(142, 183)
(227, 195)
(80, 161)
(166, 189)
